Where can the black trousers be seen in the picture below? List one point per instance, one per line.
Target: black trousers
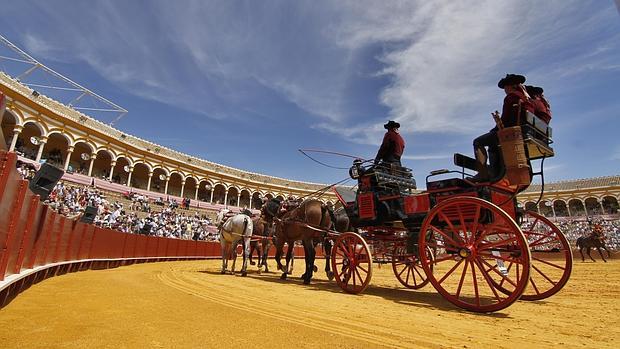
(491, 141)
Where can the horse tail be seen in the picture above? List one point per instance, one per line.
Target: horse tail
(245, 225)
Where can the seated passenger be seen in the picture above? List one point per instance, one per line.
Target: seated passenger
(516, 100)
(541, 105)
(392, 146)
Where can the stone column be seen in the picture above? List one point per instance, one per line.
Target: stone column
(129, 176)
(90, 165)
(182, 188)
(239, 200)
(112, 165)
(196, 194)
(226, 198)
(68, 159)
(16, 132)
(166, 188)
(42, 142)
(148, 184)
(211, 198)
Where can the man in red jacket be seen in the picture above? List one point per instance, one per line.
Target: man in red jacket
(541, 105)
(516, 101)
(392, 147)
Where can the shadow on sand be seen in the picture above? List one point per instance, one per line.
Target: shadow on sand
(426, 297)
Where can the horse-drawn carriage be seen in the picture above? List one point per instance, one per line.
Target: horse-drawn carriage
(469, 239)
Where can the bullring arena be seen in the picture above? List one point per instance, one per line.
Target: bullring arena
(107, 283)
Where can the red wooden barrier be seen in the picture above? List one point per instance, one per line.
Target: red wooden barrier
(36, 242)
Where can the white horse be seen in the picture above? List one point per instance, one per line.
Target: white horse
(234, 229)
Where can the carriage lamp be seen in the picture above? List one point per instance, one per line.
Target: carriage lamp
(354, 171)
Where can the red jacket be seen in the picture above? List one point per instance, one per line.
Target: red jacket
(392, 146)
(541, 109)
(510, 111)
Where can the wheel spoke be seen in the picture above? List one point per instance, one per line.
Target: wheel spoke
(447, 220)
(487, 279)
(534, 286)
(548, 263)
(543, 274)
(450, 272)
(491, 245)
(435, 245)
(437, 230)
(505, 259)
(458, 290)
(502, 275)
(418, 272)
(473, 276)
(364, 270)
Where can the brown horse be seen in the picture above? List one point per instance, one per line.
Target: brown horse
(589, 242)
(261, 228)
(308, 223)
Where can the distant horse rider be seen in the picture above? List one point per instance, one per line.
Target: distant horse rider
(516, 100)
(392, 146)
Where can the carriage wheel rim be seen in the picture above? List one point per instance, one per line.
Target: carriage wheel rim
(471, 256)
(351, 263)
(539, 277)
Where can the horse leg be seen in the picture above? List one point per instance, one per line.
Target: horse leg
(278, 256)
(327, 245)
(292, 258)
(224, 257)
(310, 254)
(253, 245)
(246, 252)
(259, 254)
(601, 253)
(265, 255)
(583, 259)
(285, 271)
(234, 256)
(589, 255)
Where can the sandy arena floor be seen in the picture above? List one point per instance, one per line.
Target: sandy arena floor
(190, 305)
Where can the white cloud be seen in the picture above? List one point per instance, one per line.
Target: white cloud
(441, 59)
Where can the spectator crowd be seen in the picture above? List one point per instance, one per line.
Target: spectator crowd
(169, 221)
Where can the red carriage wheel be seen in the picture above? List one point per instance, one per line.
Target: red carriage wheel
(552, 257)
(474, 242)
(351, 263)
(407, 267)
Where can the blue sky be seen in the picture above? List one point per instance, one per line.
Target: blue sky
(247, 83)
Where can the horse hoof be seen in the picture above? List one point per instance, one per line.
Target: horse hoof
(223, 272)
(252, 263)
(306, 281)
(283, 276)
(244, 273)
(315, 269)
(330, 275)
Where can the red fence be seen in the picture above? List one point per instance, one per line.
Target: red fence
(37, 243)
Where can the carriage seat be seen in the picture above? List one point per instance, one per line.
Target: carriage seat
(537, 137)
(465, 161)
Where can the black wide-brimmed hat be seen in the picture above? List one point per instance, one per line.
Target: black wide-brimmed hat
(391, 124)
(511, 79)
(534, 90)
